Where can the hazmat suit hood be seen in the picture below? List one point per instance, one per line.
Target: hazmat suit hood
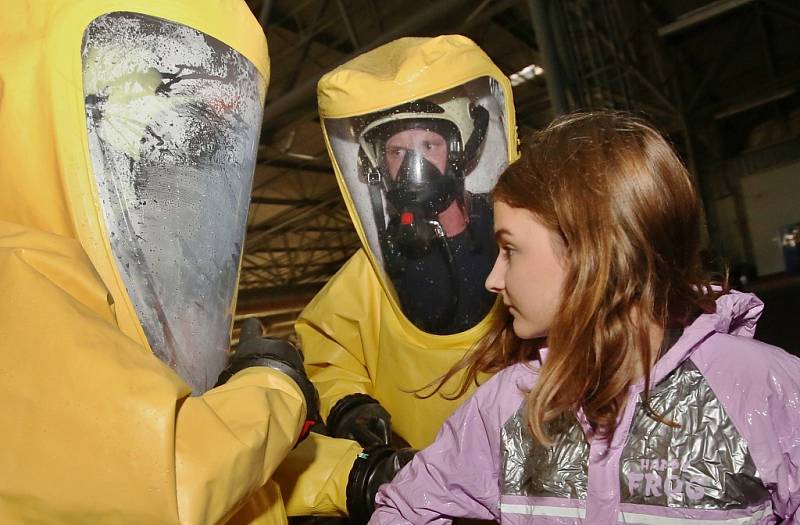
(418, 130)
(140, 132)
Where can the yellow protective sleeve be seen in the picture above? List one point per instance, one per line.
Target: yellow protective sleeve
(339, 340)
(264, 507)
(97, 429)
(354, 341)
(313, 477)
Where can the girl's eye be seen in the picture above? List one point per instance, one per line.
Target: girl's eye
(507, 250)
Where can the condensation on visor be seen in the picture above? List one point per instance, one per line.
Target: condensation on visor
(173, 117)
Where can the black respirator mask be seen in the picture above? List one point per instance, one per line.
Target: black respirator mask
(419, 193)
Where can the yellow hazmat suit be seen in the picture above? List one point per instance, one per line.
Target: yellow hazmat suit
(354, 333)
(96, 427)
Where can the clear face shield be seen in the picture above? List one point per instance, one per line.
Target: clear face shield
(173, 118)
(419, 175)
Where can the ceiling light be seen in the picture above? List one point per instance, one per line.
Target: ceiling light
(528, 72)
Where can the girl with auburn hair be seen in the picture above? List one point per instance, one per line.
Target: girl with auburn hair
(628, 388)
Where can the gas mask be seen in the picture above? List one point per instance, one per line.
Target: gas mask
(417, 155)
(418, 176)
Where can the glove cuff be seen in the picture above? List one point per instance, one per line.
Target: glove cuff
(359, 506)
(343, 406)
(302, 381)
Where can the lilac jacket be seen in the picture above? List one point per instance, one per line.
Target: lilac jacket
(734, 459)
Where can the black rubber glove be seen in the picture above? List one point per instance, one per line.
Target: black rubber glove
(372, 468)
(362, 418)
(278, 354)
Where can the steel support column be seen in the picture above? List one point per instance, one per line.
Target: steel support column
(540, 10)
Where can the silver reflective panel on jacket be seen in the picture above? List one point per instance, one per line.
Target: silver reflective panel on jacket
(702, 463)
(531, 469)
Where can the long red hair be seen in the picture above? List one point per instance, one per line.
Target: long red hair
(628, 213)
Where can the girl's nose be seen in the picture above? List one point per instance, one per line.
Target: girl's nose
(495, 281)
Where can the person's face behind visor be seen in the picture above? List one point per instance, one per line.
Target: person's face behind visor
(417, 173)
(429, 144)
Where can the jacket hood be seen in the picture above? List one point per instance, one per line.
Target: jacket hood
(737, 314)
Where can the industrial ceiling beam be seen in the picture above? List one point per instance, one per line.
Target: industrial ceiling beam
(307, 38)
(781, 87)
(752, 103)
(309, 264)
(289, 23)
(697, 16)
(511, 22)
(261, 302)
(280, 201)
(264, 12)
(323, 271)
(725, 56)
(295, 166)
(275, 224)
(303, 95)
(788, 13)
(309, 248)
(351, 33)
